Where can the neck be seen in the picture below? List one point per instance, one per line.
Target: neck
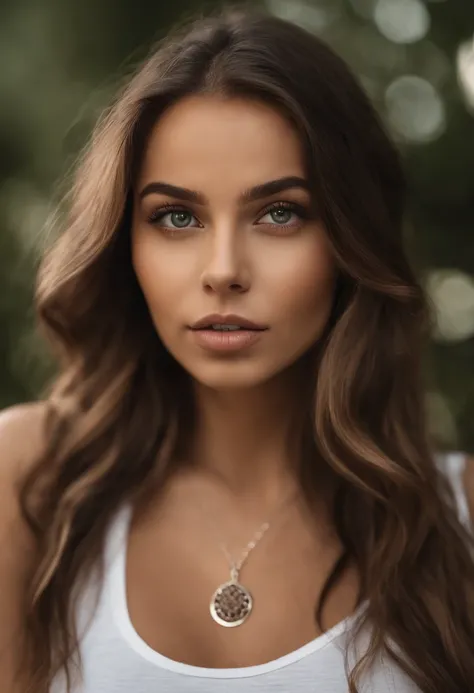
(251, 440)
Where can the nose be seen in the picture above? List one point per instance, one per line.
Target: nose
(226, 267)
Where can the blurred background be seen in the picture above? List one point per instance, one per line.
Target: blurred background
(61, 61)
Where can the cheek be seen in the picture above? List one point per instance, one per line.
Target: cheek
(160, 285)
(163, 267)
(304, 287)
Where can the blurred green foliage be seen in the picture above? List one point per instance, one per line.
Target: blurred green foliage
(62, 59)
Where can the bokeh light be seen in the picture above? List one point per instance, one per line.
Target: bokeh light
(452, 295)
(415, 109)
(402, 21)
(465, 68)
(316, 16)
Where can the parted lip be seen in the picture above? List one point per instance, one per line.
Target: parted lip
(216, 319)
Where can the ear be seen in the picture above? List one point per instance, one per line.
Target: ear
(468, 481)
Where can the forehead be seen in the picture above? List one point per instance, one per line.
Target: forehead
(204, 139)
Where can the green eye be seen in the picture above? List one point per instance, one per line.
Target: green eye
(282, 213)
(179, 217)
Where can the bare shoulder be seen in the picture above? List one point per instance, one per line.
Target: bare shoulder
(21, 426)
(21, 438)
(21, 443)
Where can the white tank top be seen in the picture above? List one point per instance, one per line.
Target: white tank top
(116, 660)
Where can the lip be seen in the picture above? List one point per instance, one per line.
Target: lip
(226, 341)
(216, 319)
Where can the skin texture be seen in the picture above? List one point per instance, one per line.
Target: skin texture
(274, 269)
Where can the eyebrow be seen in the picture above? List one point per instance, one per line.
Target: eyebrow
(251, 195)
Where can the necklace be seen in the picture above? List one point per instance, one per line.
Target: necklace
(232, 603)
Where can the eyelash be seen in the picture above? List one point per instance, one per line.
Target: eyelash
(160, 212)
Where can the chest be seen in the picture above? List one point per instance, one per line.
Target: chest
(172, 573)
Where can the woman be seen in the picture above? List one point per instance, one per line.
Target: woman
(229, 486)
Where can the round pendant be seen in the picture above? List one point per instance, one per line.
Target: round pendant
(231, 604)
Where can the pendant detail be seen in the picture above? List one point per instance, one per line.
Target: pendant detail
(231, 604)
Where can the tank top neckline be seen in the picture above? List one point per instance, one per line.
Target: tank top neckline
(117, 596)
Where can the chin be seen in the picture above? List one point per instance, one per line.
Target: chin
(232, 375)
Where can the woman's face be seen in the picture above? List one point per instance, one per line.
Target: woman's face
(207, 246)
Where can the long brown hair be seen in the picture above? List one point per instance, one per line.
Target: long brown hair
(114, 410)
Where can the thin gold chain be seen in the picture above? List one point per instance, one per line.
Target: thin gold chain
(235, 567)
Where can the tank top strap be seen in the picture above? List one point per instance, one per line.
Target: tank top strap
(99, 584)
(453, 464)
(117, 535)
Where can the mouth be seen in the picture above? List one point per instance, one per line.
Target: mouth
(226, 333)
(227, 323)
